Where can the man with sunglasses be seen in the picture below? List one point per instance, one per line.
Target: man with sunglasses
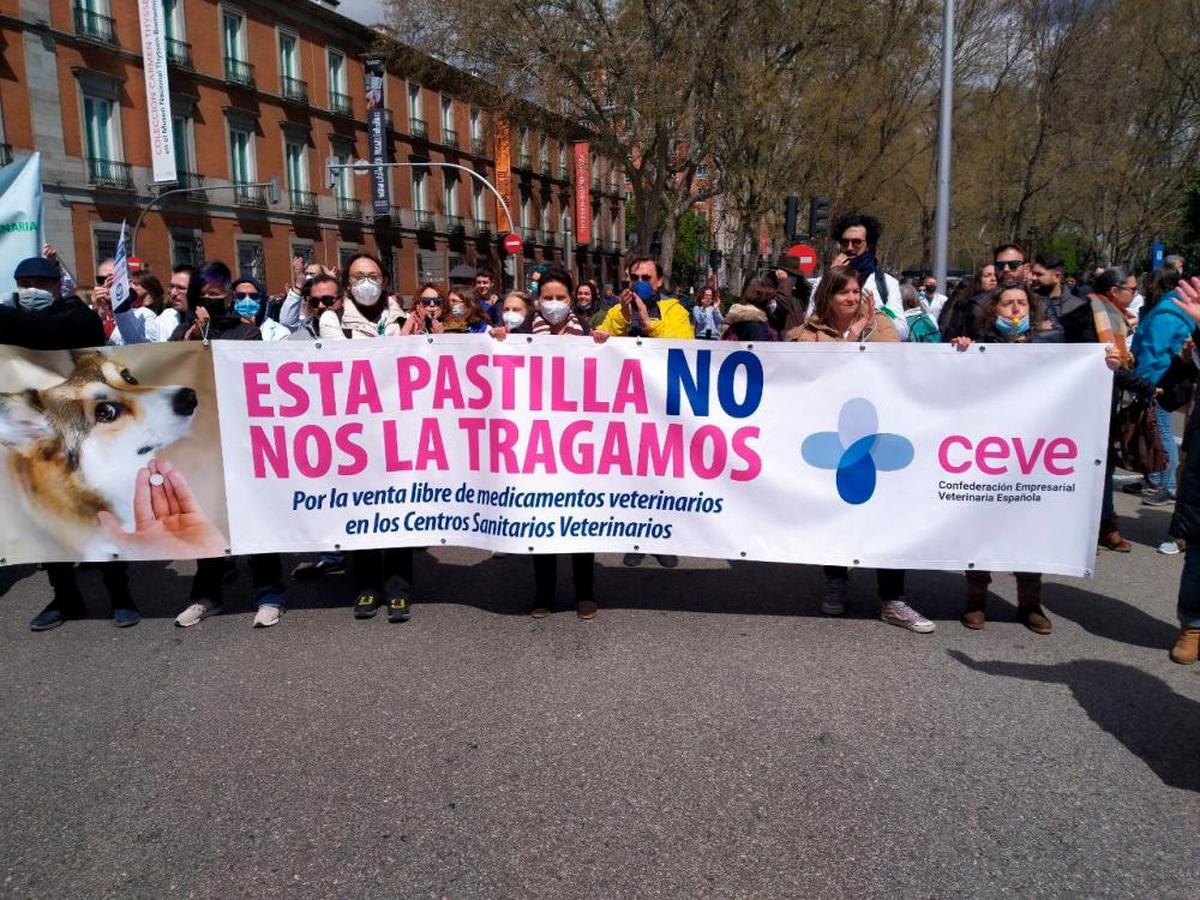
(858, 235)
(319, 294)
(1011, 271)
(644, 311)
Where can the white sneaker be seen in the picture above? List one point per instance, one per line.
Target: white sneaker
(195, 613)
(1168, 548)
(268, 614)
(836, 591)
(897, 612)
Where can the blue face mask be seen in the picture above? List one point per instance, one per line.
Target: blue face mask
(1010, 328)
(246, 309)
(643, 290)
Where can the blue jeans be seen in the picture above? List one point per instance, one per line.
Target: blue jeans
(1166, 478)
(1189, 588)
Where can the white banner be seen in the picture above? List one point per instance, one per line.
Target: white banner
(20, 217)
(158, 91)
(902, 456)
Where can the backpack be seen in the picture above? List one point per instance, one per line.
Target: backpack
(921, 327)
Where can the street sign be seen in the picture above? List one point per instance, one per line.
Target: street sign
(513, 244)
(1156, 252)
(806, 258)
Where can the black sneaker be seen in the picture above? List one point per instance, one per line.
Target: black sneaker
(366, 604)
(54, 615)
(329, 564)
(399, 609)
(1134, 487)
(126, 616)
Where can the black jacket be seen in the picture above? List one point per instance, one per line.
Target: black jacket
(67, 324)
(222, 328)
(1186, 521)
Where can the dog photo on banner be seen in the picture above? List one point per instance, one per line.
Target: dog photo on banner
(110, 454)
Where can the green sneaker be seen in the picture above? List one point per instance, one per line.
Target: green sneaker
(366, 604)
(399, 609)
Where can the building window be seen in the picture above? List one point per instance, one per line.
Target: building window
(419, 200)
(185, 152)
(238, 70)
(291, 85)
(450, 196)
(339, 96)
(544, 156)
(544, 216)
(105, 244)
(173, 22)
(524, 148)
(416, 121)
(186, 250)
(526, 214)
(476, 125)
(344, 188)
(98, 125)
(562, 161)
(250, 259)
(478, 204)
(241, 156)
(345, 254)
(449, 132)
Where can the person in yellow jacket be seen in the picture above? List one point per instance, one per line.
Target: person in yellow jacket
(643, 311)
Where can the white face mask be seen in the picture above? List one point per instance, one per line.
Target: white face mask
(366, 292)
(512, 318)
(34, 299)
(554, 311)
(458, 309)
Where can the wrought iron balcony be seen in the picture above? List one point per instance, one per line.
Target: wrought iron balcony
(238, 71)
(179, 54)
(477, 146)
(339, 104)
(303, 202)
(528, 235)
(483, 227)
(392, 219)
(424, 219)
(295, 89)
(549, 238)
(456, 225)
(110, 173)
(419, 128)
(92, 25)
(192, 181)
(253, 196)
(349, 208)
(449, 137)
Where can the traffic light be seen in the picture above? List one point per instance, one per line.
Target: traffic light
(818, 216)
(791, 212)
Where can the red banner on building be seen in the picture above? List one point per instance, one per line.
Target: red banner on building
(503, 173)
(583, 193)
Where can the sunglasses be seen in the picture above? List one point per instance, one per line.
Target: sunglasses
(325, 299)
(1010, 264)
(646, 278)
(431, 301)
(853, 242)
(247, 295)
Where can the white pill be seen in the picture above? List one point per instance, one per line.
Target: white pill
(157, 480)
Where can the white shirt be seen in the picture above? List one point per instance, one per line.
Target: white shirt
(168, 321)
(135, 326)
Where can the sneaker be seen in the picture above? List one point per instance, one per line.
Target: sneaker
(897, 612)
(399, 608)
(1134, 487)
(326, 564)
(836, 591)
(126, 616)
(1168, 548)
(539, 610)
(195, 613)
(54, 615)
(268, 614)
(1160, 497)
(666, 560)
(586, 609)
(633, 560)
(366, 604)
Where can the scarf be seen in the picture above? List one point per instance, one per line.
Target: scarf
(865, 263)
(1111, 327)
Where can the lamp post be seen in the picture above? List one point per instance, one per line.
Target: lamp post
(272, 186)
(941, 227)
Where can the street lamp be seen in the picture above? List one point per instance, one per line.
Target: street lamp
(272, 186)
(941, 228)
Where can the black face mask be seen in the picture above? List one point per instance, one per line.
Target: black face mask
(216, 308)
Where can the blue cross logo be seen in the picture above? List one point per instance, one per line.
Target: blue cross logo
(857, 450)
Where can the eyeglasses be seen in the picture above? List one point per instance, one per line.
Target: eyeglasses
(1011, 264)
(247, 295)
(852, 242)
(358, 279)
(179, 287)
(646, 278)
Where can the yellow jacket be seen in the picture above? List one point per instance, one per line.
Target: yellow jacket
(674, 322)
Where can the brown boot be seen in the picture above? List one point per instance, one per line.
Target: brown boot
(975, 611)
(1187, 647)
(1029, 603)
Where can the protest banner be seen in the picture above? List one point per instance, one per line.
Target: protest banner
(20, 217)
(897, 456)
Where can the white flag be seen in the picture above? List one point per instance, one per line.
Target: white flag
(119, 295)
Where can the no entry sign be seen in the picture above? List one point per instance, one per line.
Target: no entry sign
(513, 243)
(806, 258)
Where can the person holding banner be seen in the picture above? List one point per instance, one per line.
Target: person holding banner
(44, 320)
(644, 311)
(213, 316)
(368, 309)
(844, 312)
(554, 316)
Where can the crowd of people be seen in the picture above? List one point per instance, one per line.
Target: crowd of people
(1148, 326)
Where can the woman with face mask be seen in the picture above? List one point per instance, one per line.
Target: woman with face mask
(211, 314)
(553, 316)
(466, 313)
(250, 305)
(516, 315)
(368, 310)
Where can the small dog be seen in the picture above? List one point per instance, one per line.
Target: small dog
(75, 449)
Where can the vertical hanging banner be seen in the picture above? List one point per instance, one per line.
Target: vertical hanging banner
(503, 173)
(158, 93)
(377, 124)
(583, 193)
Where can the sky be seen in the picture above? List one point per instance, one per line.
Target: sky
(366, 11)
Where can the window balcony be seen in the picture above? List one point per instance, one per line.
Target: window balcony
(483, 227)
(528, 235)
(477, 146)
(92, 25)
(419, 128)
(393, 218)
(109, 173)
(424, 219)
(191, 181)
(302, 202)
(349, 208)
(253, 196)
(449, 137)
(179, 54)
(239, 71)
(456, 225)
(549, 238)
(339, 104)
(295, 89)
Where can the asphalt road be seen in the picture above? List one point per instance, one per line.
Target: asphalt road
(710, 734)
